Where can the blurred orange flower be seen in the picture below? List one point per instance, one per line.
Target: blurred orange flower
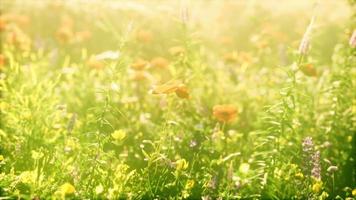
(238, 57)
(3, 23)
(18, 38)
(159, 62)
(140, 64)
(308, 70)
(225, 113)
(67, 21)
(65, 31)
(2, 60)
(259, 41)
(245, 58)
(21, 20)
(94, 63)
(17, 19)
(140, 76)
(182, 91)
(81, 36)
(144, 36)
(64, 34)
(166, 88)
(174, 86)
(226, 40)
(231, 57)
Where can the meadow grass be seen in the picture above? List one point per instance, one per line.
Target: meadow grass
(177, 99)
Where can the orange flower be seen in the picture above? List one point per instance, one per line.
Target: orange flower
(19, 39)
(245, 58)
(81, 36)
(64, 34)
(3, 24)
(140, 64)
(140, 76)
(262, 44)
(259, 41)
(95, 63)
(174, 86)
(166, 88)
(67, 21)
(21, 20)
(308, 70)
(17, 19)
(182, 91)
(225, 113)
(2, 60)
(144, 36)
(159, 62)
(65, 31)
(231, 57)
(225, 40)
(177, 51)
(55, 4)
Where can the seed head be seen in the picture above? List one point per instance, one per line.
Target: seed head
(304, 44)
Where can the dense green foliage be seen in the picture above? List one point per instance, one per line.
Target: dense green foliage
(190, 100)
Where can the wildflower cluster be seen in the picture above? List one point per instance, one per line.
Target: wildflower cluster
(177, 100)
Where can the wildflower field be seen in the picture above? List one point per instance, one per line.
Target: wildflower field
(164, 99)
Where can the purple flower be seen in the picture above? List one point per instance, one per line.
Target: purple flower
(316, 170)
(308, 145)
(311, 158)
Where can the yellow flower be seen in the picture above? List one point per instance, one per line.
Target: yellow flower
(324, 195)
(99, 189)
(3, 105)
(349, 138)
(119, 135)
(28, 177)
(67, 188)
(181, 164)
(294, 166)
(189, 185)
(299, 175)
(1, 158)
(244, 168)
(316, 188)
(26, 115)
(36, 155)
(354, 192)
(71, 144)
